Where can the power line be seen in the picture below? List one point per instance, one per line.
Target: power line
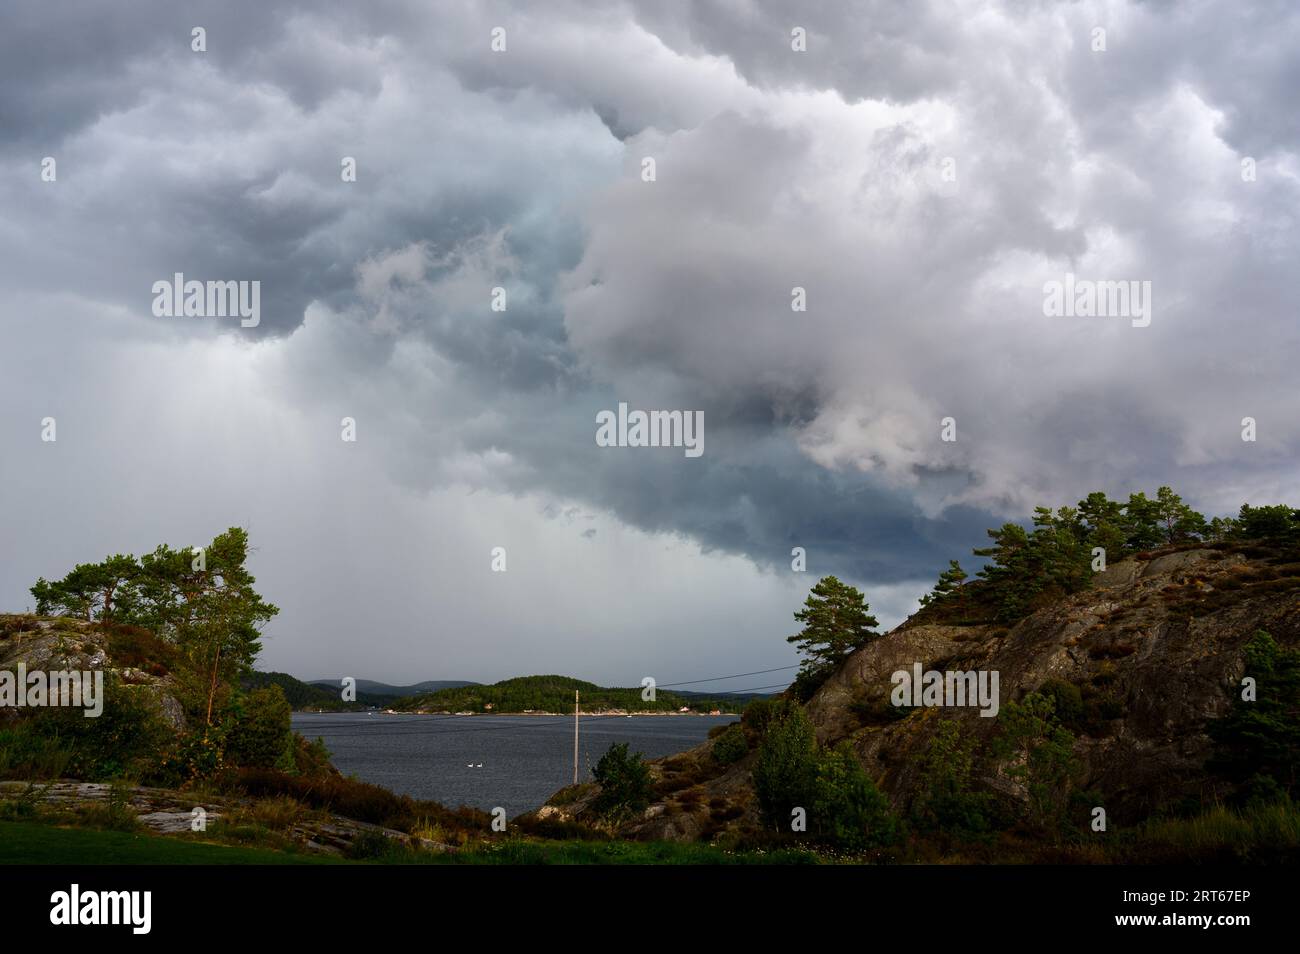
(756, 672)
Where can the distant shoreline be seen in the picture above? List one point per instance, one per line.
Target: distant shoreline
(444, 712)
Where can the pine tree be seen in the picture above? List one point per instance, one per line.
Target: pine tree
(949, 586)
(836, 622)
(1178, 521)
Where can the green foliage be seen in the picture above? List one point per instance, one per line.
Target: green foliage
(1028, 567)
(1038, 752)
(371, 845)
(197, 754)
(1179, 523)
(948, 589)
(946, 800)
(836, 622)
(1278, 523)
(140, 648)
(1067, 700)
(91, 590)
(128, 738)
(27, 754)
(301, 695)
(625, 786)
(785, 773)
(310, 759)
(848, 809)
(114, 813)
(760, 713)
(730, 745)
(202, 603)
(1258, 743)
(260, 735)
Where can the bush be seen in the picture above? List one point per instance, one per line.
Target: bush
(311, 759)
(1067, 700)
(849, 810)
(761, 713)
(371, 845)
(1039, 753)
(261, 736)
(946, 801)
(730, 746)
(128, 738)
(1258, 743)
(625, 787)
(114, 813)
(29, 754)
(785, 774)
(141, 648)
(354, 799)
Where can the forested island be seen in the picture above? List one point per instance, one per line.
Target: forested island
(554, 694)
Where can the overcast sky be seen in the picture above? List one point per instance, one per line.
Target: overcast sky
(921, 170)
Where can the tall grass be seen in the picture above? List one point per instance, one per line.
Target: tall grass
(1262, 833)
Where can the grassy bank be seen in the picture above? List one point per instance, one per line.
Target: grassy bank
(41, 843)
(37, 843)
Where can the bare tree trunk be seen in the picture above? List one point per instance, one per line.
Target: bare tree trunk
(212, 688)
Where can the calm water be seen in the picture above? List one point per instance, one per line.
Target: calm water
(525, 759)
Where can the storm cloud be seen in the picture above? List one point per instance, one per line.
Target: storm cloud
(918, 174)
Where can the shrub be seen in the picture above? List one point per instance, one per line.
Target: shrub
(625, 787)
(261, 736)
(141, 648)
(1258, 743)
(1066, 698)
(731, 746)
(761, 713)
(31, 754)
(354, 799)
(114, 813)
(370, 845)
(1039, 753)
(128, 738)
(946, 801)
(785, 774)
(311, 759)
(849, 810)
(280, 813)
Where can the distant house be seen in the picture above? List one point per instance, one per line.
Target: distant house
(684, 709)
(715, 712)
(487, 705)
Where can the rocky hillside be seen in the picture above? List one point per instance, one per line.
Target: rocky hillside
(1154, 648)
(60, 643)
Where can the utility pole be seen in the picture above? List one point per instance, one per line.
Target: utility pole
(575, 736)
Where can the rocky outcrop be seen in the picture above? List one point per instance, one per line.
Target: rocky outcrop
(63, 644)
(170, 812)
(1159, 642)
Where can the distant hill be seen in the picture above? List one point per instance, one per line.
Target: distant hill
(555, 694)
(303, 695)
(382, 693)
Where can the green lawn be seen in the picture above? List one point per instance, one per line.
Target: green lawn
(515, 852)
(36, 843)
